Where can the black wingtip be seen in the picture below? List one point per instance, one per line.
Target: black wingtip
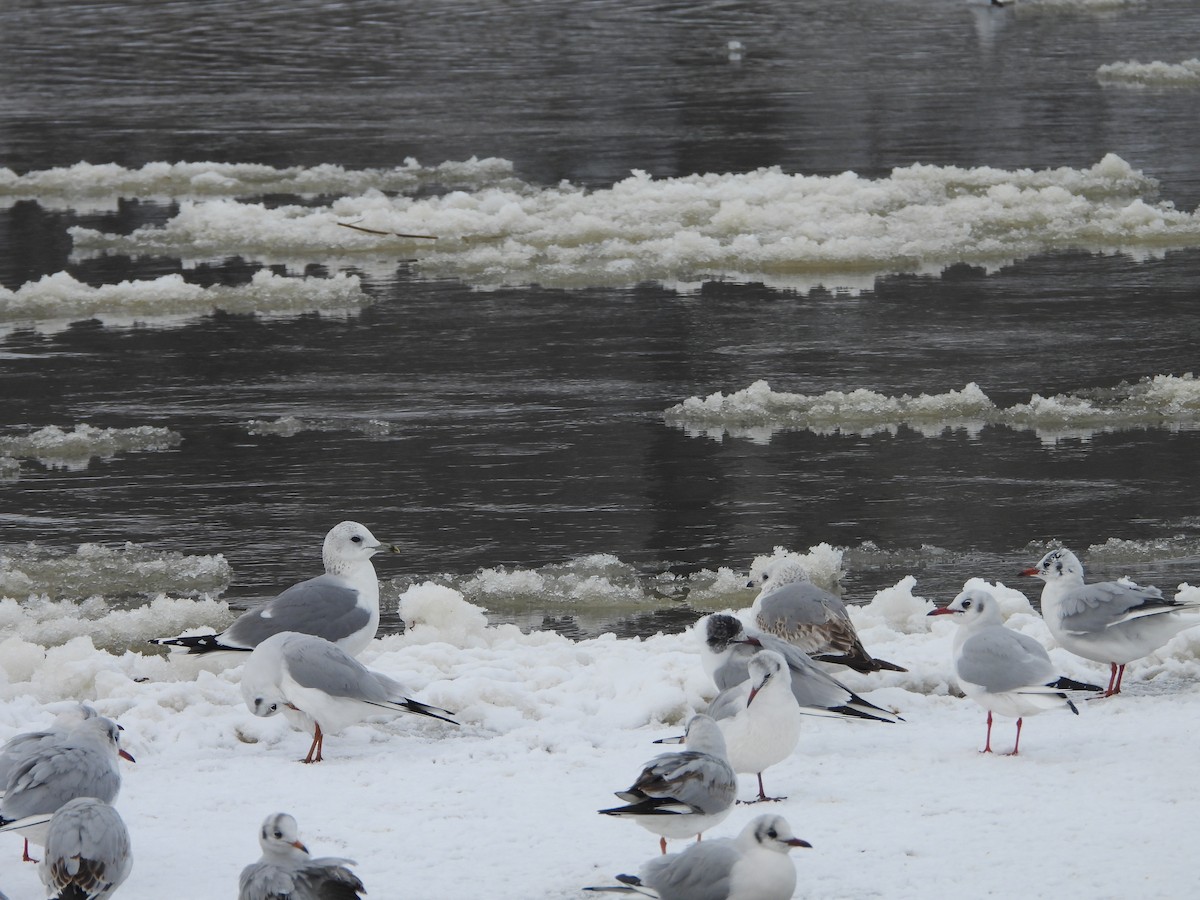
(197, 644)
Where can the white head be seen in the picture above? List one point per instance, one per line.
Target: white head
(104, 730)
(778, 573)
(971, 606)
(765, 666)
(771, 833)
(347, 545)
(280, 837)
(704, 735)
(1057, 564)
(262, 675)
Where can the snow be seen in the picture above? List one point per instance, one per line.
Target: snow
(505, 805)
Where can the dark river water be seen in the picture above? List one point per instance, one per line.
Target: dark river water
(523, 426)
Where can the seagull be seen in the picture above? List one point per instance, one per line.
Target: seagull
(321, 688)
(753, 866)
(759, 718)
(287, 872)
(87, 851)
(80, 762)
(341, 606)
(19, 746)
(729, 645)
(1002, 670)
(791, 607)
(1112, 622)
(683, 793)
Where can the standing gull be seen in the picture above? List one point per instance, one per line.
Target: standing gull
(87, 851)
(80, 762)
(683, 793)
(320, 688)
(791, 607)
(753, 866)
(1002, 670)
(759, 718)
(287, 872)
(341, 606)
(19, 746)
(728, 647)
(1110, 622)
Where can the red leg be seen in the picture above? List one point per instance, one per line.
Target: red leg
(1112, 679)
(317, 742)
(987, 745)
(1017, 745)
(662, 844)
(25, 857)
(1120, 677)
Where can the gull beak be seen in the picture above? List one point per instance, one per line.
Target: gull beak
(942, 611)
(752, 641)
(299, 845)
(671, 740)
(125, 754)
(796, 842)
(1034, 571)
(753, 693)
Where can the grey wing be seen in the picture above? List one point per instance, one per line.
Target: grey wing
(698, 780)
(800, 603)
(812, 686)
(999, 659)
(735, 669)
(318, 664)
(324, 606)
(327, 879)
(701, 873)
(264, 881)
(730, 701)
(43, 783)
(1094, 607)
(87, 846)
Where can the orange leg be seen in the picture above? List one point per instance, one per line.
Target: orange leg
(317, 744)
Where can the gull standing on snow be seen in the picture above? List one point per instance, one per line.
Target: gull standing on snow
(320, 688)
(19, 746)
(341, 606)
(1002, 670)
(79, 762)
(1107, 621)
(729, 645)
(753, 866)
(759, 718)
(683, 793)
(287, 872)
(791, 607)
(87, 851)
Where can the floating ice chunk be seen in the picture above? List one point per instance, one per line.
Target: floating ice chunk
(1184, 74)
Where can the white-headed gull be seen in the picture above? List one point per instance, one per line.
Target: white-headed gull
(1002, 670)
(287, 871)
(791, 607)
(759, 718)
(1112, 622)
(729, 645)
(320, 688)
(19, 746)
(683, 793)
(78, 762)
(88, 852)
(341, 606)
(753, 866)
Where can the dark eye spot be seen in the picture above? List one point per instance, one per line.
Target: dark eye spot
(356, 539)
(279, 834)
(966, 604)
(772, 833)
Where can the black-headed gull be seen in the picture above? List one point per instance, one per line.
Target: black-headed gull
(753, 866)
(19, 746)
(88, 852)
(286, 870)
(759, 718)
(791, 607)
(320, 688)
(77, 762)
(1112, 622)
(683, 793)
(341, 606)
(729, 645)
(1002, 670)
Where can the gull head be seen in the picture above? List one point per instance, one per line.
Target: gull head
(971, 606)
(721, 631)
(347, 544)
(778, 573)
(1057, 565)
(764, 665)
(772, 833)
(280, 837)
